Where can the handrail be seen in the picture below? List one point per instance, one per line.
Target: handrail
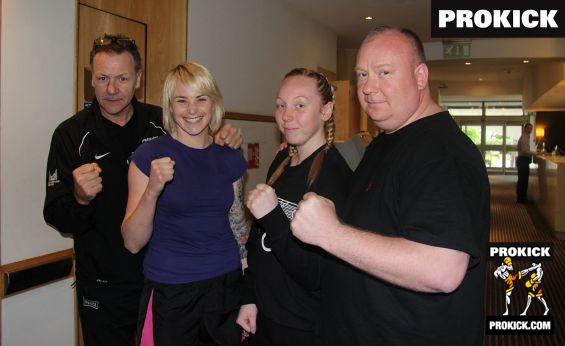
(249, 117)
(30, 273)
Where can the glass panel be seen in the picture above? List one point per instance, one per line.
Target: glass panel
(473, 132)
(464, 108)
(460, 108)
(494, 126)
(513, 133)
(504, 108)
(491, 108)
(459, 112)
(504, 111)
(511, 159)
(493, 158)
(494, 135)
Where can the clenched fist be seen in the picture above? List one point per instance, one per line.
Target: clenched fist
(87, 182)
(162, 171)
(261, 200)
(315, 220)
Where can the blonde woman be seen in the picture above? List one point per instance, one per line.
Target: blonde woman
(182, 187)
(281, 303)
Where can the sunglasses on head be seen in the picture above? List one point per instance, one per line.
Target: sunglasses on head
(122, 41)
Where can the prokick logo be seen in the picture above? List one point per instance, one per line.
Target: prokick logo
(520, 285)
(498, 19)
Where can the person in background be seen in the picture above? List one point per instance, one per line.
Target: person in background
(523, 163)
(181, 191)
(281, 304)
(86, 190)
(411, 241)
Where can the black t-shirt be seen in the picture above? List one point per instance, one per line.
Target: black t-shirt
(84, 138)
(276, 279)
(426, 182)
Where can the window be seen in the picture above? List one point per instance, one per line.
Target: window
(494, 126)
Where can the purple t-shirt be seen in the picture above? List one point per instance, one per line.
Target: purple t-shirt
(192, 239)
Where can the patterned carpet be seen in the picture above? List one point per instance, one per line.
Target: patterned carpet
(512, 222)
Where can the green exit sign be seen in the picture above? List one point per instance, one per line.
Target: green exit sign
(456, 50)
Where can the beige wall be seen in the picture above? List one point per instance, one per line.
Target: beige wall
(249, 46)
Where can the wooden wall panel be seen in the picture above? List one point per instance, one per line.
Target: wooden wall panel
(134, 9)
(346, 112)
(166, 42)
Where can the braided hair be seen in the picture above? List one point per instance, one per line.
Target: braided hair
(327, 93)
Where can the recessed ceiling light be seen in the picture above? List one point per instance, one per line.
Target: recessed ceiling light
(525, 61)
(369, 18)
(467, 63)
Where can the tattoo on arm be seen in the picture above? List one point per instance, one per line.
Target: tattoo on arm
(239, 225)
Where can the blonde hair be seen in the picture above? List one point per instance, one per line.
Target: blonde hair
(327, 92)
(191, 73)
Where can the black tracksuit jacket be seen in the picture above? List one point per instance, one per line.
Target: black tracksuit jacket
(84, 138)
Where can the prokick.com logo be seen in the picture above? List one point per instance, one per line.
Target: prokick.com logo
(519, 272)
(497, 18)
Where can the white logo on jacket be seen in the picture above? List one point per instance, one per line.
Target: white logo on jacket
(53, 179)
(99, 156)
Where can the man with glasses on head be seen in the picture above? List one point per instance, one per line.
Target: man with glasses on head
(86, 192)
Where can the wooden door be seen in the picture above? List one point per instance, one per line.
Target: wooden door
(346, 112)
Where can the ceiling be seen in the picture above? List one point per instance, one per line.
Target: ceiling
(346, 19)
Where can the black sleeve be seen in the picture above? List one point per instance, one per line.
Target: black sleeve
(247, 290)
(304, 262)
(253, 242)
(60, 209)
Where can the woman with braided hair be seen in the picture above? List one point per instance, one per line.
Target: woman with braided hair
(281, 300)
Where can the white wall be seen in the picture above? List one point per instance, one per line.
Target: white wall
(43, 316)
(36, 94)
